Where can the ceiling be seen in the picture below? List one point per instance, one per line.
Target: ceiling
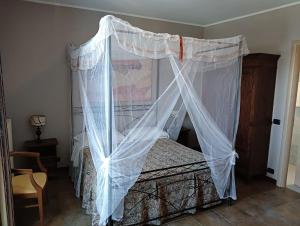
(195, 12)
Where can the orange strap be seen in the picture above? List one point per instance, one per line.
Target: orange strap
(181, 49)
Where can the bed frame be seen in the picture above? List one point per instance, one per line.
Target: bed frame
(172, 172)
(158, 173)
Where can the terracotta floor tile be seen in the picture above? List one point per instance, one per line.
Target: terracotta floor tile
(260, 203)
(246, 189)
(288, 213)
(211, 218)
(232, 213)
(185, 221)
(273, 198)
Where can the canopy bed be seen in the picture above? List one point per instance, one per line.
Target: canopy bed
(174, 180)
(131, 90)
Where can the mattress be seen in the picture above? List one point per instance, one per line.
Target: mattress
(167, 153)
(174, 180)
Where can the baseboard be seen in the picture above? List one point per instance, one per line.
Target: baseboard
(293, 188)
(269, 179)
(250, 179)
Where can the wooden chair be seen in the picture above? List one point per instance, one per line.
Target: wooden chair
(27, 184)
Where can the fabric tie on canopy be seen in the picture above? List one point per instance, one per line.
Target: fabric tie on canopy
(234, 156)
(105, 165)
(181, 49)
(130, 82)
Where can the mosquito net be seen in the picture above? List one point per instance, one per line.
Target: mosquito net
(135, 86)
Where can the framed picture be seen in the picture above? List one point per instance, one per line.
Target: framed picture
(134, 82)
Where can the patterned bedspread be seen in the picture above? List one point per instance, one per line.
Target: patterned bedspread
(180, 183)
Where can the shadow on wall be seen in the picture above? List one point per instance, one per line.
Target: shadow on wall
(192, 141)
(295, 146)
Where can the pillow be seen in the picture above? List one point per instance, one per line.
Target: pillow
(163, 134)
(81, 142)
(82, 138)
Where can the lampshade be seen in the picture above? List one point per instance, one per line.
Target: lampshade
(38, 120)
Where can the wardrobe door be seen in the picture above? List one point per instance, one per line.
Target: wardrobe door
(246, 113)
(257, 95)
(262, 120)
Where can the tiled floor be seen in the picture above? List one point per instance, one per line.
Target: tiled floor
(260, 203)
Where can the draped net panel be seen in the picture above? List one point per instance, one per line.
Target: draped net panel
(133, 85)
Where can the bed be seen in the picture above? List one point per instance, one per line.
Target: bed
(175, 180)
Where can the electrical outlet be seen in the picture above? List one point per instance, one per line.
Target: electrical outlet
(276, 121)
(270, 170)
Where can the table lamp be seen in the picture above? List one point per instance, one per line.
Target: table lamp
(38, 121)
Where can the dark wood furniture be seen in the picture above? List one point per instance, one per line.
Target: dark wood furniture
(183, 136)
(188, 138)
(257, 94)
(47, 150)
(30, 185)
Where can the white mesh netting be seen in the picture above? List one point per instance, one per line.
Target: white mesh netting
(134, 84)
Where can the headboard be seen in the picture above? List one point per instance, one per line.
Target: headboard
(132, 109)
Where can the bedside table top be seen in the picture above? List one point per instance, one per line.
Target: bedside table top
(41, 143)
(184, 129)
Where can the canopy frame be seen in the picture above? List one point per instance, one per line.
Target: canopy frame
(109, 64)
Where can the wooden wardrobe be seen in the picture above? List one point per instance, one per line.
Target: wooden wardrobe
(257, 95)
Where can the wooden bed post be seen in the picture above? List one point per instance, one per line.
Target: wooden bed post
(232, 171)
(110, 221)
(229, 199)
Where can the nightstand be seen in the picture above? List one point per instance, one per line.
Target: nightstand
(47, 150)
(188, 138)
(183, 137)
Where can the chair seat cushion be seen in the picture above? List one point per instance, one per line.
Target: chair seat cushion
(22, 185)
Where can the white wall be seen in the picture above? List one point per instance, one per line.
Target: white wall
(33, 40)
(271, 32)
